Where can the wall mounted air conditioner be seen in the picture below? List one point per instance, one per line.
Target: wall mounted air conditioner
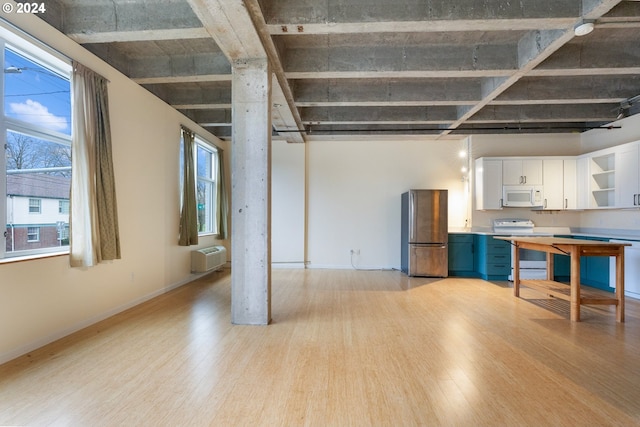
(208, 259)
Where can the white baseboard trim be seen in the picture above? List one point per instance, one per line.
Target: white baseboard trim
(287, 264)
(34, 345)
(349, 267)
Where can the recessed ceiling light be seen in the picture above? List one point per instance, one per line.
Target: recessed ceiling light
(583, 29)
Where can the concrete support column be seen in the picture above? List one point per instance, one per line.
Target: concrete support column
(251, 193)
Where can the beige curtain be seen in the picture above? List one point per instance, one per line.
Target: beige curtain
(189, 210)
(222, 202)
(94, 232)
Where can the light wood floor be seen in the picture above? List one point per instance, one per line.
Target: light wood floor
(345, 348)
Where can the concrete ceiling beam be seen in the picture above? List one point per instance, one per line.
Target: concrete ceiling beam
(481, 25)
(139, 35)
(309, 12)
(230, 25)
(412, 74)
(86, 18)
(194, 93)
(375, 114)
(575, 113)
(183, 79)
(588, 89)
(606, 54)
(185, 66)
(395, 59)
(220, 117)
(386, 91)
(282, 119)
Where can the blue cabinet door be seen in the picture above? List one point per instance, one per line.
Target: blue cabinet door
(493, 258)
(461, 255)
(594, 270)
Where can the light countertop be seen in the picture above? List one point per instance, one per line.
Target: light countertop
(617, 234)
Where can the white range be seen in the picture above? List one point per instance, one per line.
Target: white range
(533, 264)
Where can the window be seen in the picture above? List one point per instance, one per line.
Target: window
(35, 206)
(206, 185)
(33, 234)
(63, 207)
(35, 129)
(206, 161)
(63, 233)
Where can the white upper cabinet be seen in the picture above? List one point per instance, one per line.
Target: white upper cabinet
(522, 172)
(488, 183)
(560, 184)
(582, 184)
(570, 181)
(553, 178)
(627, 176)
(602, 179)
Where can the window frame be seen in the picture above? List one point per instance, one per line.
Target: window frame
(43, 56)
(64, 206)
(36, 232)
(211, 227)
(35, 205)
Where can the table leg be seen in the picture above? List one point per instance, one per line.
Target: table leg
(620, 285)
(550, 275)
(516, 270)
(575, 285)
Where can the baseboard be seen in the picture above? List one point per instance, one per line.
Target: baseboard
(288, 264)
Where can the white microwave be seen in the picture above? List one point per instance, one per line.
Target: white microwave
(522, 196)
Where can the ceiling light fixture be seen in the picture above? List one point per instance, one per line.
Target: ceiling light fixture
(583, 28)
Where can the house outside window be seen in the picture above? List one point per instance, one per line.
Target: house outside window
(35, 130)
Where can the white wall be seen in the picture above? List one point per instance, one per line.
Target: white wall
(44, 299)
(628, 131)
(288, 204)
(354, 196)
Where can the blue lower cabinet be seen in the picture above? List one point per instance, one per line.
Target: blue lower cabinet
(461, 255)
(594, 270)
(493, 258)
(562, 266)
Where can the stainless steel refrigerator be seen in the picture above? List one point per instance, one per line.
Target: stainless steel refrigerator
(425, 233)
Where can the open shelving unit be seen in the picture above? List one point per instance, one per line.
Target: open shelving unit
(603, 185)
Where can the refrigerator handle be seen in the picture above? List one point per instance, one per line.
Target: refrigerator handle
(412, 214)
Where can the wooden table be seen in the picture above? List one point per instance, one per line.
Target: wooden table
(575, 248)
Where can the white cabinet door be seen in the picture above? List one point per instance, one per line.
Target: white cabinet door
(553, 181)
(627, 176)
(570, 180)
(512, 172)
(631, 269)
(522, 172)
(532, 171)
(488, 184)
(582, 182)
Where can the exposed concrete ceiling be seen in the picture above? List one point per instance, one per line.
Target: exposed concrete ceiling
(379, 67)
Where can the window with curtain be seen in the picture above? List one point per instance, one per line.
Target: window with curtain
(206, 160)
(206, 163)
(35, 169)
